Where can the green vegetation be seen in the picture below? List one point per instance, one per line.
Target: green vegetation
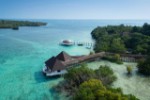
(129, 69)
(83, 83)
(105, 74)
(144, 66)
(93, 89)
(122, 39)
(113, 58)
(91, 53)
(16, 24)
(76, 76)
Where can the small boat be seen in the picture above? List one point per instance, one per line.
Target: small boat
(66, 43)
(15, 28)
(80, 44)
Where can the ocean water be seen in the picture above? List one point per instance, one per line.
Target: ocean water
(23, 52)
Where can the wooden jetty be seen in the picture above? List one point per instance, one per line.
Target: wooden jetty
(128, 57)
(58, 65)
(78, 43)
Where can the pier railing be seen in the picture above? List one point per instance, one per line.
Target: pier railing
(77, 60)
(128, 57)
(124, 57)
(91, 44)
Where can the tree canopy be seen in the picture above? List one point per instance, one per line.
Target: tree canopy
(144, 66)
(15, 24)
(83, 83)
(93, 89)
(119, 39)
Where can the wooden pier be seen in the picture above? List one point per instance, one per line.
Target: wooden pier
(84, 43)
(128, 57)
(79, 43)
(97, 56)
(58, 65)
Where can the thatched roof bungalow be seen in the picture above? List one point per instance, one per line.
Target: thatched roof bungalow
(57, 65)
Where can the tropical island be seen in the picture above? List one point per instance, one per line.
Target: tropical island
(122, 39)
(14, 24)
(87, 84)
(125, 39)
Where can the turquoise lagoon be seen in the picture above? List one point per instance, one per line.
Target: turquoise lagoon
(23, 52)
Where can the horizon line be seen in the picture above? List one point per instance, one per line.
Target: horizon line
(66, 19)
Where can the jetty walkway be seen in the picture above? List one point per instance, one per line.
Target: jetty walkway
(76, 60)
(58, 65)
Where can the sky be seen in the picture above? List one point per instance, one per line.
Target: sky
(75, 9)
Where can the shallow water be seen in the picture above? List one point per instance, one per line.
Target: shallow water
(23, 52)
(135, 84)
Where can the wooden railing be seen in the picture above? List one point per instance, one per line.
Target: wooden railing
(123, 57)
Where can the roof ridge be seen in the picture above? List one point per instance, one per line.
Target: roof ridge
(63, 56)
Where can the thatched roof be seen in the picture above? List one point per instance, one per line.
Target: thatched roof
(63, 56)
(57, 63)
(50, 62)
(54, 64)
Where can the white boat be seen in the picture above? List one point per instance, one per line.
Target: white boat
(66, 42)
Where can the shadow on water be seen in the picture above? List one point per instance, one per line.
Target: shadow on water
(40, 77)
(55, 94)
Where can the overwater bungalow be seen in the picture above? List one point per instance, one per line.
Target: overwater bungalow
(58, 65)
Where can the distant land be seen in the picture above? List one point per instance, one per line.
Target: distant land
(14, 24)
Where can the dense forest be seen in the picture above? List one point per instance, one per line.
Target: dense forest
(144, 66)
(122, 39)
(16, 24)
(125, 39)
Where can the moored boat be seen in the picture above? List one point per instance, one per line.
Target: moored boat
(66, 42)
(80, 44)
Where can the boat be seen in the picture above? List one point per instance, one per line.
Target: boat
(66, 42)
(80, 44)
(15, 28)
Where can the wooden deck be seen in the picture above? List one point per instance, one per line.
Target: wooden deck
(128, 57)
(76, 60)
(123, 57)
